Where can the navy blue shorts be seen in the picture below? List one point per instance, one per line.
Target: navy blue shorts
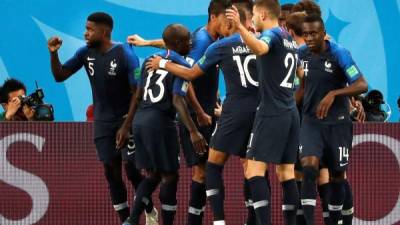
(275, 139)
(232, 133)
(191, 157)
(104, 139)
(157, 149)
(331, 143)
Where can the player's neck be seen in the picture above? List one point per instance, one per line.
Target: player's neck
(269, 24)
(299, 40)
(321, 50)
(105, 46)
(210, 29)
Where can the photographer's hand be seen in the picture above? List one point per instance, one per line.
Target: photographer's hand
(12, 108)
(29, 112)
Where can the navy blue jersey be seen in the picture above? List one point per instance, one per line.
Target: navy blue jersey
(333, 69)
(276, 73)
(156, 107)
(205, 87)
(238, 65)
(111, 76)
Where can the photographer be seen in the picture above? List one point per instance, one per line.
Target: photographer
(372, 103)
(10, 98)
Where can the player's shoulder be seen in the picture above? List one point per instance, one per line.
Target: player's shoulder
(338, 52)
(201, 35)
(336, 49)
(82, 50)
(303, 50)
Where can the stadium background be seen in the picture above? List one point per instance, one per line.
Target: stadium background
(367, 28)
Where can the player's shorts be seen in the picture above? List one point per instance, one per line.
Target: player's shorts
(331, 143)
(157, 149)
(232, 133)
(191, 157)
(104, 139)
(274, 139)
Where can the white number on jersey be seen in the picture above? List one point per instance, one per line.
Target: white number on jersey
(290, 63)
(244, 70)
(159, 82)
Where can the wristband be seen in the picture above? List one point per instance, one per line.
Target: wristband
(162, 63)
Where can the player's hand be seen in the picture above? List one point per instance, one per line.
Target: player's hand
(12, 107)
(136, 40)
(232, 14)
(325, 105)
(204, 119)
(121, 137)
(29, 112)
(360, 116)
(54, 43)
(153, 63)
(199, 143)
(218, 110)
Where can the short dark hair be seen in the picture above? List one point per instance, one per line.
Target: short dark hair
(10, 85)
(246, 4)
(173, 33)
(295, 22)
(101, 18)
(307, 6)
(314, 18)
(217, 7)
(287, 7)
(272, 6)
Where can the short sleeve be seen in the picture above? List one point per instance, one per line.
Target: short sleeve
(348, 65)
(268, 37)
(180, 87)
(76, 62)
(210, 58)
(132, 64)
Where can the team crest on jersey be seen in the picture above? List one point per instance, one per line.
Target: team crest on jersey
(328, 66)
(113, 67)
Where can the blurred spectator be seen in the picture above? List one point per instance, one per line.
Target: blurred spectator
(11, 94)
(90, 113)
(373, 102)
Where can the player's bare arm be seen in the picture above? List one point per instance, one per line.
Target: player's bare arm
(123, 132)
(183, 72)
(197, 139)
(137, 40)
(358, 87)
(202, 117)
(60, 74)
(257, 46)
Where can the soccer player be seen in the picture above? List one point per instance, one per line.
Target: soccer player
(231, 135)
(330, 76)
(110, 67)
(285, 11)
(276, 66)
(159, 96)
(202, 96)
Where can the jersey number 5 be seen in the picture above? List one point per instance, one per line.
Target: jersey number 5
(148, 92)
(290, 64)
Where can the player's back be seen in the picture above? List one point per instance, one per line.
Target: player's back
(238, 65)
(156, 107)
(276, 71)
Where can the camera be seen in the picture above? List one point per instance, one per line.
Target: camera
(43, 112)
(375, 107)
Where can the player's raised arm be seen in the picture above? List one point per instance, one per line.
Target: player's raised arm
(257, 46)
(137, 40)
(60, 74)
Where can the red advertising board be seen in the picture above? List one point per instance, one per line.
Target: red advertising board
(49, 174)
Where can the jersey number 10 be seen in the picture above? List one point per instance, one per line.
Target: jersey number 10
(244, 70)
